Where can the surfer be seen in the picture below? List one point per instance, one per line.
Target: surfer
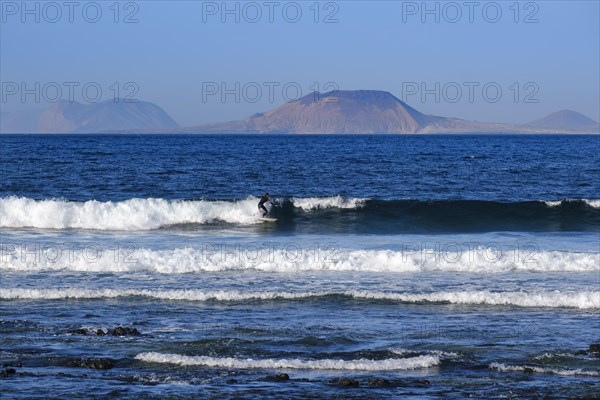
(261, 203)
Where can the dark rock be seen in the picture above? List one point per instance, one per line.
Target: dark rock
(100, 332)
(379, 382)
(278, 377)
(594, 349)
(231, 381)
(423, 382)
(347, 382)
(93, 363)
(80, 331)
(118, 331)
(7, 372)
(124, 331)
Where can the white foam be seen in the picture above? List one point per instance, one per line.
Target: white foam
(362, 364)
(547, 356)
(551, 203)
(189, 295)
(582, 300)
(540, 370)
(550, 299)
(140, 214)
(595, 203)
(290, 258)
(439, 353)
(312, 203)
(133, 214)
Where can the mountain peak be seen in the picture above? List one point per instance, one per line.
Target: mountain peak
(340, 111)
(370, 96)
(565, 119)
(70, 116)
(360, 94)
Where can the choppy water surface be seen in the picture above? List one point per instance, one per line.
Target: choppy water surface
(429, 266)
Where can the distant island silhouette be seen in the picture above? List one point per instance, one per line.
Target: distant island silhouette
(336, 112)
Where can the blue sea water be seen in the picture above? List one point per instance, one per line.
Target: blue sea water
(418, 266)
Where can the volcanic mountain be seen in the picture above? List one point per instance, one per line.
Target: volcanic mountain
(361, 111)
(349, 111)
(73, 117)
(566, 119)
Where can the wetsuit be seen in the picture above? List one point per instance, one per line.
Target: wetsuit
(261, 204)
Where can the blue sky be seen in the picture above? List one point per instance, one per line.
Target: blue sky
(459, 59)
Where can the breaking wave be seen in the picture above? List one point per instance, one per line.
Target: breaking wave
(362, 364)
(290, 258)
(133, 214)
(551, 299)
(542, 370)
(316, 213)
(313, 203)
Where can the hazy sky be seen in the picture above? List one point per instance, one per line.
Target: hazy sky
(205, 61)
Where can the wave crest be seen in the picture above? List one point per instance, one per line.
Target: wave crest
(133, 214)
(550, 299)
(141, 214)
(556, 371)
(351, 214)
(313, 203)
(357, 214)
(594, 203)
(290, 258)
(362, 364)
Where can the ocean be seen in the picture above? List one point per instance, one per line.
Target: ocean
(436, 266)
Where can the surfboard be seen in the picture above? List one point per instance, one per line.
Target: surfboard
(267, 219)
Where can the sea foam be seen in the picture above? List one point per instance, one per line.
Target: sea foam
(362, 364)
(540, 370)
(141, 214)
(549, 299)
(287, 258)
(312, 203)
(594, 203)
